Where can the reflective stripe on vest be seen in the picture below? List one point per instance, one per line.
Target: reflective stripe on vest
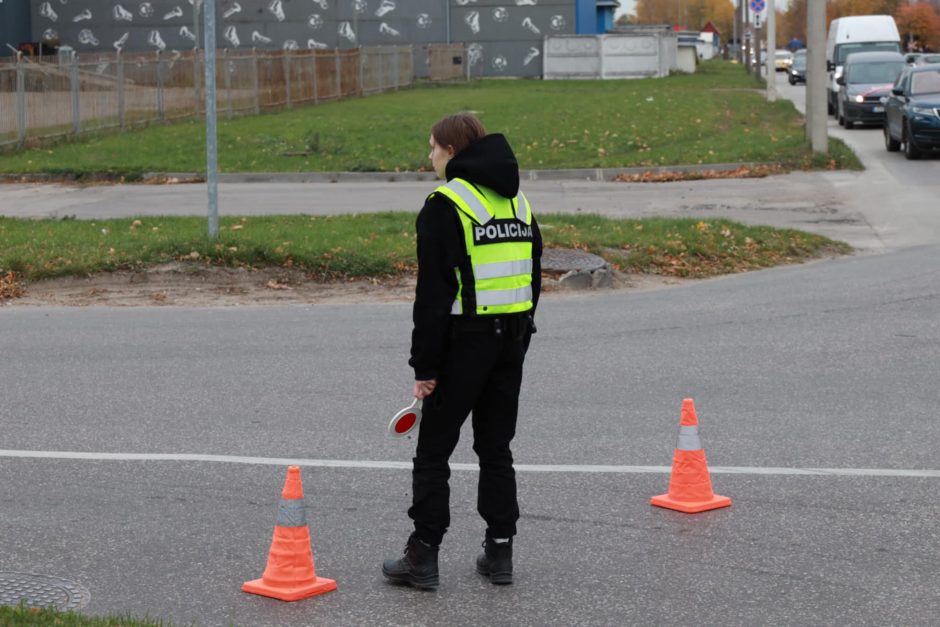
(465, 192)
(688, 439)
(502, 269)
(497, 279)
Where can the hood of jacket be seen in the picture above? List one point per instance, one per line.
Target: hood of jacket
(489, 162)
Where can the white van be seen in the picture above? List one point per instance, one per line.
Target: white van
(857, 33)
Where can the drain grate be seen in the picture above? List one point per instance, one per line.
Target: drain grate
(42, 591)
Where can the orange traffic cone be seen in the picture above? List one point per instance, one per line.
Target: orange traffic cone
(290, 575)
(690, 486)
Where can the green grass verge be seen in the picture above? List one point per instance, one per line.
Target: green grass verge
(717, 115)
(382, 244)
(22, 615)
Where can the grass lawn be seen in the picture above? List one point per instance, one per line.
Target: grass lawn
(717, 115)
(381, 244)
(22, 615)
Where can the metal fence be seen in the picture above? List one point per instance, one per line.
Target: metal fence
(53, 97)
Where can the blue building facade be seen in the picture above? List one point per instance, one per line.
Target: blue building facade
(595, 16)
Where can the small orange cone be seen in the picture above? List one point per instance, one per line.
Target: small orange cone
(290, 575)
(690, 486)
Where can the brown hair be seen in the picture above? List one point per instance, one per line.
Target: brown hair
(458, 130)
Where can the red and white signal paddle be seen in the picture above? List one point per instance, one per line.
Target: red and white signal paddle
(405, 421)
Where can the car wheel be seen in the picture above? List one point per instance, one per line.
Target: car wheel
(792, 82)
(910, 150)
(840, 118)
(891, 144)
(848, 124)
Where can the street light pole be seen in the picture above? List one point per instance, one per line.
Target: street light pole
(816, 75)
(771, 51)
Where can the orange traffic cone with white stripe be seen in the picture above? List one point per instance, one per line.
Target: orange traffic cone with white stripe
(290, 575)
(690, 486)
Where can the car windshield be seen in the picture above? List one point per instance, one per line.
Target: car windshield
(844, 50)
(874, 73)
(925, 83)
(799, 62)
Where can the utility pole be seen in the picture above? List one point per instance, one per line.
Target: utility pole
(746, 32)
(212, 161)
(816, 75)
(771, 51)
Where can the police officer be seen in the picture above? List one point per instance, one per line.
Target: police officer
(479, 276)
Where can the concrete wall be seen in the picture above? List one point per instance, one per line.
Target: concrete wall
(505, 35)
(639, 55)
(687, 59)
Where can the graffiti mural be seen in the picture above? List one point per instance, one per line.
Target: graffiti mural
(504, 36)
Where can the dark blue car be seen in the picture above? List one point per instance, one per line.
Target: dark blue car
(912, 111)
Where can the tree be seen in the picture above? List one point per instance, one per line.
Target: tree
(625, 20)
(921, 23)
(692, 14)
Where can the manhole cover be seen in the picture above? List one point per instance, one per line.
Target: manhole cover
(42, 591)
(568, 259)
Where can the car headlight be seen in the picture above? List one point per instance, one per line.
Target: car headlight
(859, 98)
(922, 110)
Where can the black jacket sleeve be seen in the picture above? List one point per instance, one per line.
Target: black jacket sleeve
(536, 264)
(440, 250)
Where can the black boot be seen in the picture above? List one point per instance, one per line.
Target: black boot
(496, 561)
(417, 567)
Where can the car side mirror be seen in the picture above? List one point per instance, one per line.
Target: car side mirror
(897, 91)
(840, 80)
(830, 66)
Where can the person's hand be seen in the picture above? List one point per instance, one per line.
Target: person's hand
(423, 389)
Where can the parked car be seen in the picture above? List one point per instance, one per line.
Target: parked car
(783, 59)
(911, 57)
(797, 72)
(866, 80)
(912, 111)
(927, 57)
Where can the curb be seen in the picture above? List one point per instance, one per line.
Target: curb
(572, 174)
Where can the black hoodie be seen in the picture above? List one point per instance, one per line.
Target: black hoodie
(491, 163)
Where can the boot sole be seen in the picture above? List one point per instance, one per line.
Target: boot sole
(499, 579)
(429, 582)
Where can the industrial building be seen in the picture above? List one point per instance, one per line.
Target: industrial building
(503, 37)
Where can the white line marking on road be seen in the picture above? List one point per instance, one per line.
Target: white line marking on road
(389, 465)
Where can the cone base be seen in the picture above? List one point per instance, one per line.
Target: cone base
(290, 593)
(690, 507)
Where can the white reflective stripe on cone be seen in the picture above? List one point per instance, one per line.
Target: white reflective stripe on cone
(505, 297)
(291, 513)
(688, 439)
(502, 269)
(482, 215)
(456, 308)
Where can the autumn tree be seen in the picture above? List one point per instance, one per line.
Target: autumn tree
(793, 24)
(921, 23)
(692, 14)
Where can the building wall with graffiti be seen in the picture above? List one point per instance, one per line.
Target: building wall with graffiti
(504, 37)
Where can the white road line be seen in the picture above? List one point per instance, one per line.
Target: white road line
(389, 465)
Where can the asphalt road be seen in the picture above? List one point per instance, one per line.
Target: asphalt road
(815, 386)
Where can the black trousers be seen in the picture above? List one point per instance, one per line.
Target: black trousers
(482, 375)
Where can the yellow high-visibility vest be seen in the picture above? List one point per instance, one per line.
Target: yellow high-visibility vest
(498, 234)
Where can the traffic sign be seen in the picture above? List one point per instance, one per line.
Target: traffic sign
(758, 5)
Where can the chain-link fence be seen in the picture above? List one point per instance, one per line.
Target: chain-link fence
(49, 97)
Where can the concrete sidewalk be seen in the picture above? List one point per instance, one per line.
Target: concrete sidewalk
(808, 201)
